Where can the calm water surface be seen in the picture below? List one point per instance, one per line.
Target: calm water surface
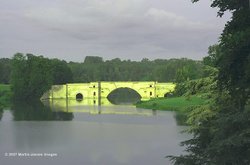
(88, 135)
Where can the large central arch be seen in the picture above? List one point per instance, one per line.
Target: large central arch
(124, 96)
(144, 89)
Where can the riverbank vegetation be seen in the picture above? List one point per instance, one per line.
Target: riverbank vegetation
(5, 95)
(188, 96)
(30, 76)
(179, 104)
(188, 100)
(221, 128)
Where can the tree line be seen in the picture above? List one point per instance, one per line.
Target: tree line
(30, 75)
(172, 70)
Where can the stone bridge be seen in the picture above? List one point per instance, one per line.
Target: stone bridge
(95, 90)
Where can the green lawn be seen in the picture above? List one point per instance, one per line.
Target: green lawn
(172, 104)
(4, 87)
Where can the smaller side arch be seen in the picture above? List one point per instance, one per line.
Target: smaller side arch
(168, 94)
(79, 97)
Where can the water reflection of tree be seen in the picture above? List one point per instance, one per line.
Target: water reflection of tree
(36, 111)
(181, 118)
(1, 113)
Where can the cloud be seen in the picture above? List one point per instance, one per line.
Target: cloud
(115, 28)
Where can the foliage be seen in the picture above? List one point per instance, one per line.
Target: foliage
(5, 69)
(4, 87)
(201, 86)
(61, 73)
(220, 135)
(5, 95)
(172, 104)
(93, 60)
(32, 75)
(213, 56)
(234, 64)
(95, 69)
(225, 5)
(221, 128)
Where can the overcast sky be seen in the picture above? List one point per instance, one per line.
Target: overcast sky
(126, 29)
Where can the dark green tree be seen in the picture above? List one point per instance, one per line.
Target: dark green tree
(221, 128)
(234, 62)
(40, 77)
(94, 69)
(32, 75)
(5, 70)
(23, 111)
(93, 60)
(61, 72)
(19, 76)
(213, 56)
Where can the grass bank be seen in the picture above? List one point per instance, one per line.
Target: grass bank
(5, 95)
(172, 104)
(4, 87)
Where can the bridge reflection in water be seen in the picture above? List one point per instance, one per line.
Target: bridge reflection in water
(95, 107)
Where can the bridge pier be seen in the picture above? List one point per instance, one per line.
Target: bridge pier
(99, 92)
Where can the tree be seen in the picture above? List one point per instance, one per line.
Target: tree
(31, 75)
(213, 56)
(40, 76)
(61, 72)
(93, 60)
(5, 69)
(235, 59)
(221, 129)
(19, 76)
(225, 5)
(94, 69)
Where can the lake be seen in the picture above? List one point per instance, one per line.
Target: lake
(79, 133)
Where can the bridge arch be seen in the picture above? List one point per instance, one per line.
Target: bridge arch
(168, 94)
(79, 96)
(144, 89)
(124, 88)
(123, 95)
